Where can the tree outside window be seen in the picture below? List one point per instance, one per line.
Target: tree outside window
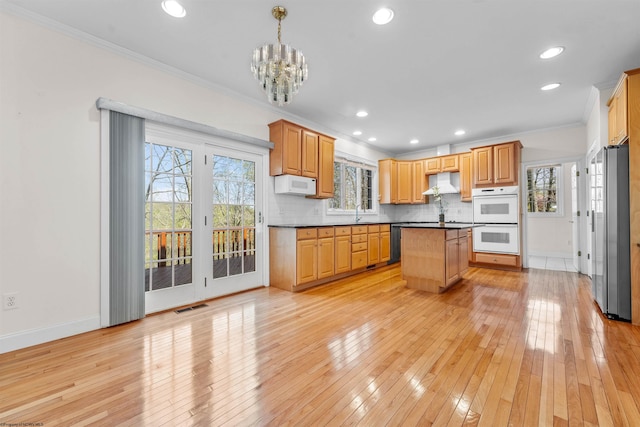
(543, 187)
(352, 187)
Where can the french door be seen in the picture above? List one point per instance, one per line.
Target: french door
(203, 220)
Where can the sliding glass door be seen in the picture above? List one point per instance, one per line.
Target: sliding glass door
(203, 228)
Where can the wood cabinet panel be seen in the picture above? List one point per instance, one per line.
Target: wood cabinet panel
(466, 179)
(309, 154)
(504, 172)
(342, 262)
(450, 163)
(286, 156)
(452, 261)
(497, 259)
(358, 260)
(326, 257)
(420, 182)
(306, 233)
(385, 246)
(463, 253)
(404, 182)
(306, 261)
(388, 181)
(432, 165)
(373, 249)
(618, 113)
(326, 158)
(482, 166)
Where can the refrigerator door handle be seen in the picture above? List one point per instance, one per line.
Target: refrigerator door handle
(593, 221)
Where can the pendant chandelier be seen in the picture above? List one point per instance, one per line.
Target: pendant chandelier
(279, 68)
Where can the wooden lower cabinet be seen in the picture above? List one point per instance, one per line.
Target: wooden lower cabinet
(342, 263)
(300, 258)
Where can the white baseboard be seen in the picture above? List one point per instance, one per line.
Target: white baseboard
(552, 254)
(31, 337)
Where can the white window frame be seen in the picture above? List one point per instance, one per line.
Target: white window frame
(359, 164)
(559, 191)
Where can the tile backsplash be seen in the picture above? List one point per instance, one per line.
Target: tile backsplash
(455, 210)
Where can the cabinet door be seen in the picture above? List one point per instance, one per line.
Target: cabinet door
(291, 150)
(621, 112)
(482, 166)
(504, 172)
(342, 262)
(385, 246)
(463, 253)
(387, 181)
(612, 122)
(324, 185)
(373, 250)
(419, 181)
(450, 163)
(404, 182)
(465, 177)
(325, 257)
(309, 154)
(432, 166)
(452, 262)
(306, 261)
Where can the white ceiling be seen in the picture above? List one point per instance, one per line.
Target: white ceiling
(440, 65)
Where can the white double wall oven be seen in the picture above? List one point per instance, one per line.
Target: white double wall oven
(497, 210)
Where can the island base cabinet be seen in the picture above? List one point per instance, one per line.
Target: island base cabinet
(433, 259)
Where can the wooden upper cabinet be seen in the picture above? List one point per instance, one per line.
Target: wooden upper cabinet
(303, 152)
(432, 165)
(496, 165)
(618, 113)
(286, 156)
(482, 166)
(326, 157)
(449, 163)
(309, 154)
(466, 179)
(505, 168)
(420, 182)
(388, 181)
(405, 180)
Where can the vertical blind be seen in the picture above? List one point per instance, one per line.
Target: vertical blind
(126, 218)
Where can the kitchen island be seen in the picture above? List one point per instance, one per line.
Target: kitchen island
(434, 257)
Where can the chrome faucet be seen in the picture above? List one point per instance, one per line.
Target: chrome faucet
(357, 217)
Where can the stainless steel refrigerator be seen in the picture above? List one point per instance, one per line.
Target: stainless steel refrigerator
(611, 281)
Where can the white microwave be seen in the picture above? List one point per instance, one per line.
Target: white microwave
(293, 184)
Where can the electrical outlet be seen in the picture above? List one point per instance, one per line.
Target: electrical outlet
(10, 301)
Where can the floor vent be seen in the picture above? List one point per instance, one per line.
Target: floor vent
(182, 310)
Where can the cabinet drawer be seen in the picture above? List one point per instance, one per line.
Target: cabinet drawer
(358, 238)
(385, 227)
(451, 234)
(342, 231)
(325, 232)
(355, 247)
(358, 259)
(358, 229)
(306, 233)
(374, 229)
(497, 259)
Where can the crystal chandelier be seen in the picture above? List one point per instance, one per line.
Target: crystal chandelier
(280, 69)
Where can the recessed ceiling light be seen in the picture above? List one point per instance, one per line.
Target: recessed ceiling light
(459, 132)
(383, 16)
(550, 86)
(357, 132)
(413, 141)
(173, 8)
(372, 139)
(551, 52)
(362, 113)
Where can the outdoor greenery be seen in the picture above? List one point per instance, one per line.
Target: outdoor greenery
(542, 188)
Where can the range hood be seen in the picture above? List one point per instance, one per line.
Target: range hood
(443, 179)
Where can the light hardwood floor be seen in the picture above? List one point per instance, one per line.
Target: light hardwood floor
(499, 348)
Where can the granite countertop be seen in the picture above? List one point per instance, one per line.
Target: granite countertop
(435, 225)
(448, 225)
